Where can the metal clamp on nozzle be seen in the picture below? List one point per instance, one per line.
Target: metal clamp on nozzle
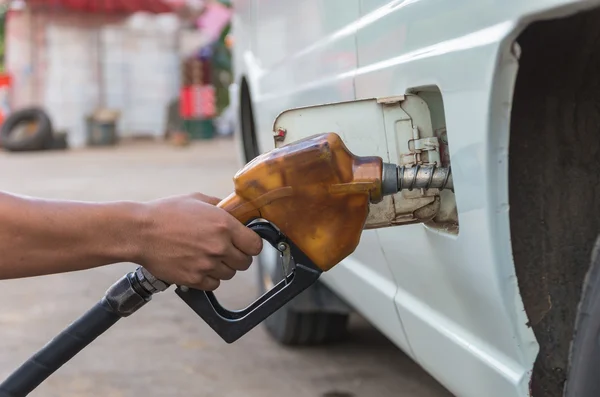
(149, 282)
(389, 179)
(133, 291)
(396, 178)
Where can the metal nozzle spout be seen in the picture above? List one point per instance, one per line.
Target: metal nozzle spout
(396, 178)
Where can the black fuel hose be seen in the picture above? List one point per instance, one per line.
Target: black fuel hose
(122, 299)
(60, 350)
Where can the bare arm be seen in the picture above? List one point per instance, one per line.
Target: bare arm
(184, 240)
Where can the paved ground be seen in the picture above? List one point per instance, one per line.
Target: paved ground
(164, 350)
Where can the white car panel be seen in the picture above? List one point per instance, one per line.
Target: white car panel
(450, 297)
(317, 52)
(457, 307)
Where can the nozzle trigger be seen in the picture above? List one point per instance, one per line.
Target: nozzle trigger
(233, 324)
(286, 258)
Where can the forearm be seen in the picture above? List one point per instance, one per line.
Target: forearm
(40, 237)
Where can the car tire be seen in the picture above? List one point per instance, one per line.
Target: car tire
(41, 138)
(583, 379)
(289, 326)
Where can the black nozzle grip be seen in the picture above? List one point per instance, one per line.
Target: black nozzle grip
(233, 324)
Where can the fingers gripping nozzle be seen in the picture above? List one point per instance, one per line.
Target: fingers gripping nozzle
(233, 324)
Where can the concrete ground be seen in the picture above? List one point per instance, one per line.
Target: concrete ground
(165, 349)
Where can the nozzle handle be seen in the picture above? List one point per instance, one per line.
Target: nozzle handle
(233, 324)
(241, 209)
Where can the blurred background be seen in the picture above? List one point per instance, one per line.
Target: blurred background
(130, 100)
(105, 71)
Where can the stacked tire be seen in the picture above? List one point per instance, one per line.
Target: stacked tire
(39, 134)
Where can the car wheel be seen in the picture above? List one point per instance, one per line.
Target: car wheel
(583, 380)
(289, 326)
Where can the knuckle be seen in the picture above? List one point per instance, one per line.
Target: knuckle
(222, 225)
(211, 285)
(217, 248)
(195, 278)
(197, 196)
(256, 246)
(245, 264)
(242, 263)
(229, 275)
(209, 266)
(221, 248)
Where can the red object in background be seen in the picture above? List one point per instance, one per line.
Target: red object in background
(197, 102)
(207, 101)
(5, 86)
(5, 80)
(111, 6)
(185, 102)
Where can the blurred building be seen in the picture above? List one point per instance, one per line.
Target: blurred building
(74, 56)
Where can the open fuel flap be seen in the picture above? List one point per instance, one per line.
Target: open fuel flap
(408, 130)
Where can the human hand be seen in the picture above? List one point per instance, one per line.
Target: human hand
(189, 241)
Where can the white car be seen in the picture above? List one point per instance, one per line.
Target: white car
(494, 288)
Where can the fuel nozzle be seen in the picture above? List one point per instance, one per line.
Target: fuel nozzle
(396, 178)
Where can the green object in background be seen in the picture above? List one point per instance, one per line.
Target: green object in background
(199, 129)
(221, 66)
(3, 10)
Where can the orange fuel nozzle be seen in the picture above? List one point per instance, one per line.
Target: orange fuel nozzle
(315, 191)
(310, 200)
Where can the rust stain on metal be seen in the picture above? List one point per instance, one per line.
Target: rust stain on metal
(442, 136)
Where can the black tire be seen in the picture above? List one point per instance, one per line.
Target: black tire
(553, 228)
(583, 377)
(40, 139)
(298, 328)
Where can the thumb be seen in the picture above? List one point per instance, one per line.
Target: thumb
(207, 199)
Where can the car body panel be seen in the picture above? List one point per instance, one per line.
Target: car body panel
(456, 300)
(441, 307)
